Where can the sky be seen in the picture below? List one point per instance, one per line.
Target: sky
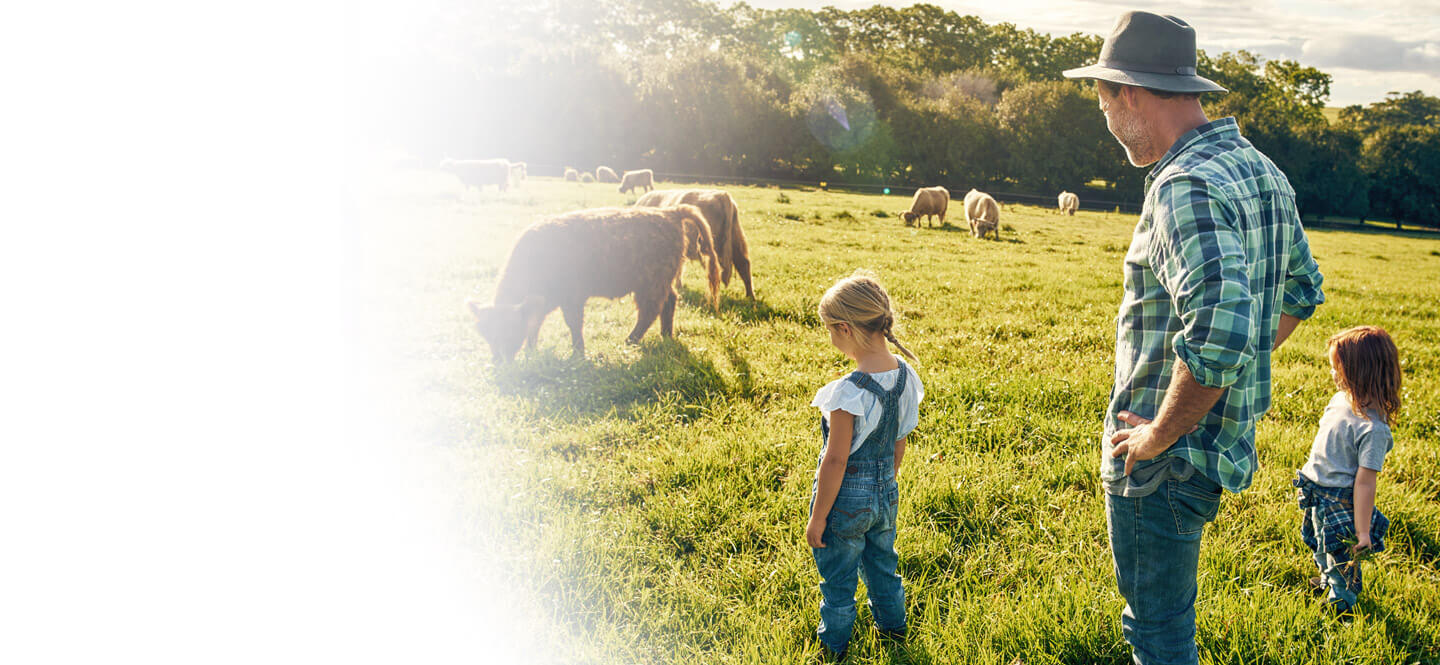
(1369, 47)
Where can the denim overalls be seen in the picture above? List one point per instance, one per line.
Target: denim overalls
(860, 530)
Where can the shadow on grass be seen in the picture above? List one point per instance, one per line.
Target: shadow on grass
(1408, 636)
(947, 226)
(749, 311)
(659, 369)
(1422, 537)
(744, 382)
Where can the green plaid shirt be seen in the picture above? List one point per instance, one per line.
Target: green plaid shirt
(1217, 256)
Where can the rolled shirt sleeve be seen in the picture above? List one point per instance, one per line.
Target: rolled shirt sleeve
(1303, 279)
(1198, 256)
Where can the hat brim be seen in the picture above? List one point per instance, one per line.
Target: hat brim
(1166, 82)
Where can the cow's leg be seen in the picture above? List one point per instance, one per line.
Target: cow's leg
(727, 264)
(667, 314)
(647, 308)
(575, 318)
(742, 266)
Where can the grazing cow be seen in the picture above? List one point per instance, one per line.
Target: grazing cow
(1069, 203)
(982, 213)
(517, 171)
(928, 202)
(606, 174)
(480, 172)
(633, 180)
(724, 220)
(586, 177)
(603, 252)
(571, 175)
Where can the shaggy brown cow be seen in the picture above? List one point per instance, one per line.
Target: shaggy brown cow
(603, 252)
(633, 180)
(982, 213)
(571, 175)
(480, 172)
(928, 202)
(586, 177)
(724, 220)
(606, 174)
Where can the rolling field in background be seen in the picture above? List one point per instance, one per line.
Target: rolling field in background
(650, 500)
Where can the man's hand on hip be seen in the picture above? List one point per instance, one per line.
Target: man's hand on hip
(1139, 444)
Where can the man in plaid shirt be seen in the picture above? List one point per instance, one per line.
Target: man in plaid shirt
(1218, 274)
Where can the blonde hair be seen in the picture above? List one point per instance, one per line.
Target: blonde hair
(1367, 365)
(860, 302)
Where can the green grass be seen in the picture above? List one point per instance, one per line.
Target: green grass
(651, 500)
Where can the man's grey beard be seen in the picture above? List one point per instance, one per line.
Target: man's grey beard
(1134, 136)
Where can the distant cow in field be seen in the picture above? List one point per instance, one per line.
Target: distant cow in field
(517, 171)
(982, 213)
(571, 175)
(633, 180)
(724, 219)
(1069, 203)
(606, 174)
(928, 202)
(480, 172)
(604, 252)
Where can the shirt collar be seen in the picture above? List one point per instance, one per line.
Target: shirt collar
(1208, 132)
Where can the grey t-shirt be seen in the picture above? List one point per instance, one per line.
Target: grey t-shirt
(1345, 443)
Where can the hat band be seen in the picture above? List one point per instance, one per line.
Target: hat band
(1149, 69)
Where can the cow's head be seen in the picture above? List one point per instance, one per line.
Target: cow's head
(505, 327)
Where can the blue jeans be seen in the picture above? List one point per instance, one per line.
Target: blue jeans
(860, 540)
(1338, 570)
(1155, 540)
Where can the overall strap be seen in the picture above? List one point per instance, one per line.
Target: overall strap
(868, 383)
(881, 442)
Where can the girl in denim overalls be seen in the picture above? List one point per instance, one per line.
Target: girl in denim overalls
(866, 416)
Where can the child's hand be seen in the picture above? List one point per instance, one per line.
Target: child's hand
(814, 530)
(1362, 543)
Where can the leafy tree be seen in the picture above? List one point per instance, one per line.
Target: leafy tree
(1331, 181)
(1057, 137)
(1404, 163)
(1411, 108)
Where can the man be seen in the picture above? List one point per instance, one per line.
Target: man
(1218, 274)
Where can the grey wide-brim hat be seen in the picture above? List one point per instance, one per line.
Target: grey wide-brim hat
(1151, 51)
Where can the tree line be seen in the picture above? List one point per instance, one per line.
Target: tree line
(905, 97)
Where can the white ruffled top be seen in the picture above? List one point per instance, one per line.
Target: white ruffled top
(843, 395)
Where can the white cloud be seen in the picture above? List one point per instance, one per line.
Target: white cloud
(1376, 53)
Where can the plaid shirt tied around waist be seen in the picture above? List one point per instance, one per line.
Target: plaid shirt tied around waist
(1217, 255)
(1337, 517)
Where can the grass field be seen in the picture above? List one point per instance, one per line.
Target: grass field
(650, 501)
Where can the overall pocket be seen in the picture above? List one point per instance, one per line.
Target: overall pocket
(851, 516)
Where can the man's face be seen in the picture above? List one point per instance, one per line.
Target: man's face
(1128, 127)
